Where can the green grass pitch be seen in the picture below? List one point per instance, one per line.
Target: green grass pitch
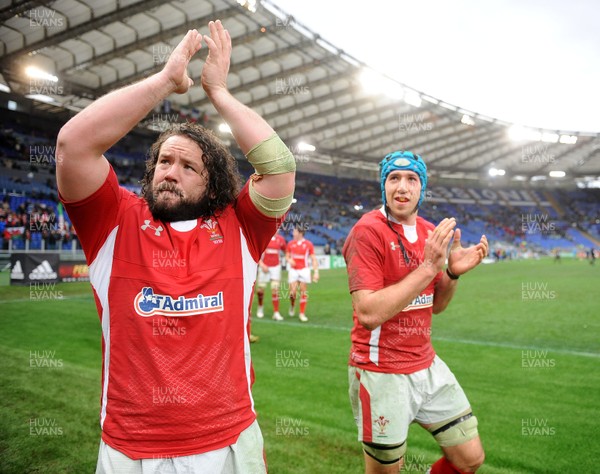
(522, 337)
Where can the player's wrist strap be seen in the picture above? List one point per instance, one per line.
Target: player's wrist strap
(451, 275)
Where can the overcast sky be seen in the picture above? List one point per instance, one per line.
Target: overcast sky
(530, 62)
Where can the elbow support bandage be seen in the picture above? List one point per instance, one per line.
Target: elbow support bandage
(271, 156)
(268, 206)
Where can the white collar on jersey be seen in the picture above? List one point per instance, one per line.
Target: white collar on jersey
(410, 231)
(184, 226)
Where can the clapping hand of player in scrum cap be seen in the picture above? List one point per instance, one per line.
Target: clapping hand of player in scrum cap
(460, 259)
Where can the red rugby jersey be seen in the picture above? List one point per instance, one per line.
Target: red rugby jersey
(271, 256)
(299, 252)
(374, 260)
(174, 303)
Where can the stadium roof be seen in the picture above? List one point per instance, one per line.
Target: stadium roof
(311, 91)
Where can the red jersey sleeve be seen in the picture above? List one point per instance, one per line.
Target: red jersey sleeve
(364, 259)
(95, 217)
(257, 228)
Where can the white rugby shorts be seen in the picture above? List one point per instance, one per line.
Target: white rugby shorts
(384, 405)
(245, 456)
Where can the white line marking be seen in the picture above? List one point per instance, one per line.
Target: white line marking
(45, 300)
(289, 322)
(504, 345)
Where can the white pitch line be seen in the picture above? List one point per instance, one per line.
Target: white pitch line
(289, 322)
(504, 345)
(45, 300)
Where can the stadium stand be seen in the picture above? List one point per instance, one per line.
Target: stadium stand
(308, 89)
(30, 217)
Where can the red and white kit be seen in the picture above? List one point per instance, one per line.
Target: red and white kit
(401, 345)
(175, 312)
(271, 256)
(300, 250)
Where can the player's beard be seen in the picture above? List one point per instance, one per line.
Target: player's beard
(183, 210)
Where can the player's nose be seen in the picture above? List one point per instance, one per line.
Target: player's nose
(402, 186)
(172, 174)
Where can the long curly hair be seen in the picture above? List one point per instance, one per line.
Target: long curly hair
(224, 181)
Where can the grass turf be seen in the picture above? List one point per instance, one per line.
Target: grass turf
(522, 338)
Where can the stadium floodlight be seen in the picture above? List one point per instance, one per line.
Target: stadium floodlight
(467, 120)
(224, 128)
(496, 172)
(557, 174)
(430, 99)
(36, 73)
(520, 133)
(41, 98)
(588, 182)
(448, 106)
(249, 5)
(412, 98)
(303, 146)
(550, 137)
(568, 139)
(375, 83)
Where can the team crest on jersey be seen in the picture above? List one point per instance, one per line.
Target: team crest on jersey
(147, 303)
(212, 227)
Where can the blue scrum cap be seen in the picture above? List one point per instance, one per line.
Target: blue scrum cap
(403, 160)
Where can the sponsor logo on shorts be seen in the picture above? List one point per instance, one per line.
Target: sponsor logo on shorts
(147, 303)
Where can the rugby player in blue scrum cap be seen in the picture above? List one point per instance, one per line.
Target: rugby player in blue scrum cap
(398, 279)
